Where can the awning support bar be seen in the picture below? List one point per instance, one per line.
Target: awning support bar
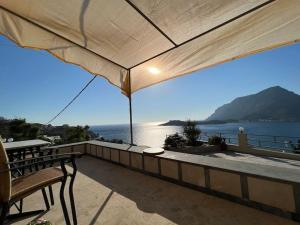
(130, 108)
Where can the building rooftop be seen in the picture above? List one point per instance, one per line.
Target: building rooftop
(107, 193)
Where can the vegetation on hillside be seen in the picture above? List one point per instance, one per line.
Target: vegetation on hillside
(77, 134)
(20, 130)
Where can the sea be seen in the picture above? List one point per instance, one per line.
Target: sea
(277, 135)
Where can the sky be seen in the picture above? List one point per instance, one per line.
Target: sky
(36, 86)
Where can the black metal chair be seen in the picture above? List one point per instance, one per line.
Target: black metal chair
(46, 174)
(26, 153)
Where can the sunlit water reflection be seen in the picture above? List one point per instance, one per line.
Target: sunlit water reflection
(151, 134)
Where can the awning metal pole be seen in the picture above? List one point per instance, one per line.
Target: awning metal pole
(130, 109)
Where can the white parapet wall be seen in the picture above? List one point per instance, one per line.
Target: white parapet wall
(273, 189)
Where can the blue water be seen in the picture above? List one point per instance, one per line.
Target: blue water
(151, 134)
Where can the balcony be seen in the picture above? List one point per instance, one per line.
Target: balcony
(117, 184)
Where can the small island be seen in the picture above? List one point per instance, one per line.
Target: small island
(198, 122)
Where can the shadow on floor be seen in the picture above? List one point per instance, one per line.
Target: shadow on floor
(100, 210)
(178, 204)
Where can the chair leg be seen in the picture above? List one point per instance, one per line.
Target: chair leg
(4, 211)
(46, 199)
(72, 193)
(63, 202)
(21, 205)
(51, 195)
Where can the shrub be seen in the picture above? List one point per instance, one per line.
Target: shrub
(214, 140)
(114, 140)
(191, 132)
(117, 141)
(217, 140)
(297, 146)
(40, 222)
(174, 141)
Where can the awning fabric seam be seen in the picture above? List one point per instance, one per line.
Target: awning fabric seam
(206, 32)
(150, 21)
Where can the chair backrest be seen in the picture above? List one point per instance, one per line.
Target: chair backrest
(5, 176)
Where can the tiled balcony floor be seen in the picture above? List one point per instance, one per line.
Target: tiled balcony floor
(110, 194)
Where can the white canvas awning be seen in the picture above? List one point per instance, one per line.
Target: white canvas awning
(151, 40)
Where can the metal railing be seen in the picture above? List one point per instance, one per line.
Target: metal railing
(283, 143)
(230, 137)
(274, 142)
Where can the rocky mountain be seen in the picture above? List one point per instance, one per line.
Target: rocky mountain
(272, 104)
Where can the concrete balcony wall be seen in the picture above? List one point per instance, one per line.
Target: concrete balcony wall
(99, 151)
(192, 174)
(66, 149)
(93, 150)
(226, 182)
(115, 155)
(124, 158)
(151, 164)
(79, 148)
(106, 153)
(169, 168)
(273, 193)
(74, 147)
(272, 189)
(136, 160)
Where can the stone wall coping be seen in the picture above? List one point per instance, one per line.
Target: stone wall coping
(67, 145)
(138, 149)
(273, 172)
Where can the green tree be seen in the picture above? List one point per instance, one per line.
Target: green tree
(16, 129)
(34, 132)
(191, 132)
(19, 130)
(77, 134)
(4, 129)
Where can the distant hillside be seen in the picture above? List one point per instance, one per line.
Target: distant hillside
(272, 104)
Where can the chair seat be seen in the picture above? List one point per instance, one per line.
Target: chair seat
(26, 185)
